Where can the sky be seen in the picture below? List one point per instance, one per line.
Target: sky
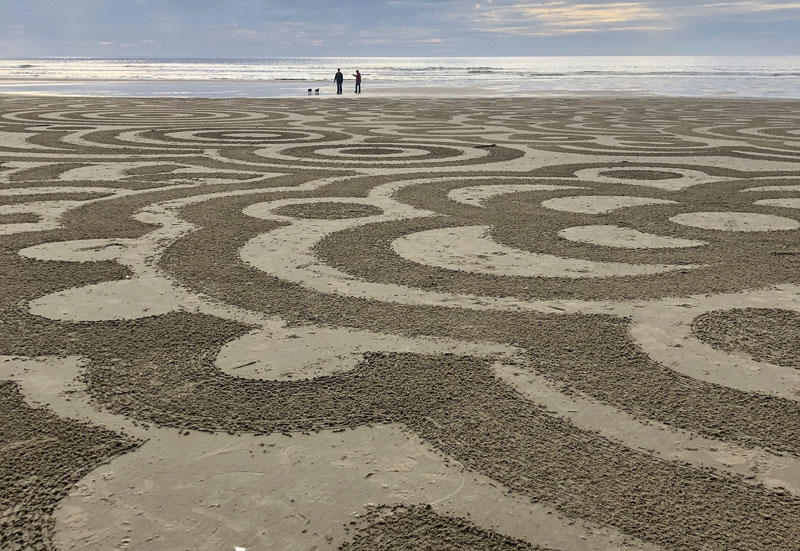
(311, 28)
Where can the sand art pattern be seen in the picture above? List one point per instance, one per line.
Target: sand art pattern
(465, 324)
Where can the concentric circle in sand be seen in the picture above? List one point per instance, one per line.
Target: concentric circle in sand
(298, 308)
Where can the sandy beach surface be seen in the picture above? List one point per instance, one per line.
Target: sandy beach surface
(392, 324)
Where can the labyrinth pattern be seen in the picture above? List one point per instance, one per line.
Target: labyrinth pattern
(565, 324)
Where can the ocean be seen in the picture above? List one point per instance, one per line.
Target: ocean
(695, 76)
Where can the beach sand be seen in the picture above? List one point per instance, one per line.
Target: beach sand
(474, 323)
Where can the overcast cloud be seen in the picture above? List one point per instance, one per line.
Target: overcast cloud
(278, 28)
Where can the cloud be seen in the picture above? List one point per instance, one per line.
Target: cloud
(248, 34)
(552, 18)
(559, 17)
(280, 28)
(754, 6)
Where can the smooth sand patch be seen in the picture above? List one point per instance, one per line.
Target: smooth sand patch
(46, 190)
(86, 250)
(735, 221)
(786, 202)
(308, 352)
(110, 300)
(600, 204)
(624, 238)
(470, 249)
(788, 187)
(477, 195)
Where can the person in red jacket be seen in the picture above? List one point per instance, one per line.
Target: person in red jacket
(358, 81)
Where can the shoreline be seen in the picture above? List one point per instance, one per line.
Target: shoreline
(673, 76)
(25, 88)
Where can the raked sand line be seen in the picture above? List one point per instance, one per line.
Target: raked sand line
(269, 491)
(280, 252)
(527, 443)
(663, 329)
(774, 471)
(288, 253)
(318, 351)
(763, 334)
(278, 353)
(49, 214)
(157, 304)
(185, 487)
(332, 350)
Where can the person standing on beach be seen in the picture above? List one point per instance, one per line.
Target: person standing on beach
(338, 79)
(358, 81)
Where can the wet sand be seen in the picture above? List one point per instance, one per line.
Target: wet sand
(376, 324)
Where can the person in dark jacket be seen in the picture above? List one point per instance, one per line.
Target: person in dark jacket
(338, 79)
(358, 81)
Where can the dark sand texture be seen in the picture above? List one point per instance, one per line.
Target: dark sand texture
(766, 335)
(401, 528)
(143, 240)
(41, 457)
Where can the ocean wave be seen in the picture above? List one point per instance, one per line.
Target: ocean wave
(707, 73)
(670, 73)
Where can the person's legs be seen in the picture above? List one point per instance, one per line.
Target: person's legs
(338, 87)
(358, 87)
